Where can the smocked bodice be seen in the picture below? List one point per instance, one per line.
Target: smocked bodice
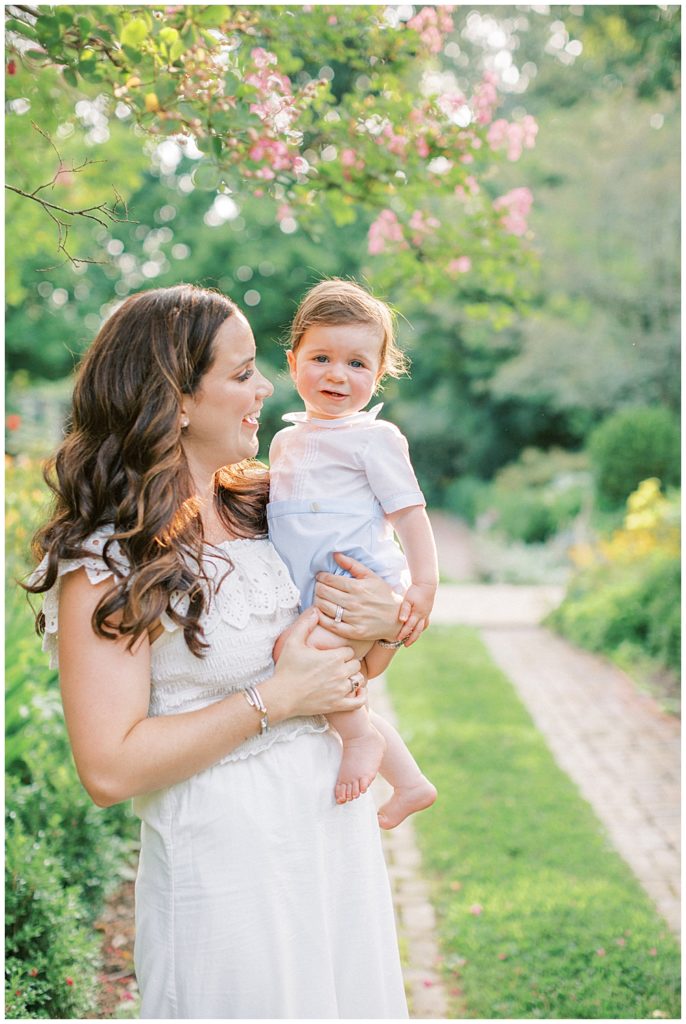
(249, 607)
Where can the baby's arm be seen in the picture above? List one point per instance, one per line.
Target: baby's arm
(416, 536)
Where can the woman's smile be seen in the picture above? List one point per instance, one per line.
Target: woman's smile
(224, 413)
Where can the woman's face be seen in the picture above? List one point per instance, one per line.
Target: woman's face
(223, 414)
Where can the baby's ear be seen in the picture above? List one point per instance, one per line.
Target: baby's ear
(290, 356)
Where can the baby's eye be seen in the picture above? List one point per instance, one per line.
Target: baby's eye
(357, 363)
(320, 359)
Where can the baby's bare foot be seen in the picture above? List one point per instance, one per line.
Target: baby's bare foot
(406, 800)
(362, 756)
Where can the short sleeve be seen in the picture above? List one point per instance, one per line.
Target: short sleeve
(97, 570)
(386, 460)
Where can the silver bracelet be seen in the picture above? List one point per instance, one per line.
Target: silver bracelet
(391, 645)
(255, 701)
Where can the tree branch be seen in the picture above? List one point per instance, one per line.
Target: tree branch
(100, 213)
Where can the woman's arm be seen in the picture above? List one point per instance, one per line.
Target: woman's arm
(120, 752)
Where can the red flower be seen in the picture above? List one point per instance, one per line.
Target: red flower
(13, 422)
(69, 981)
(18, 992)
(11, 67)
(33, 972)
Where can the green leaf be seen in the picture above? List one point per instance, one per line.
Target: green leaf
(85, 26)
(21, 28)
(177, 49)
(206, 176)
(169, 35)
(70, 77)
(134, 34)
(217, 145)
(231, 83)
(212, 16)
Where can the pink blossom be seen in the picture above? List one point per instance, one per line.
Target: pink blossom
(262, 58)
(600, 952)
(393, 142)
(283, 212)
(386, 228)
(432, 25)
(476, 909)
(348, 157)
(516, 135)
(333, 20)
(461, 265)
(422, 147)
(485, 99)
(516, 206)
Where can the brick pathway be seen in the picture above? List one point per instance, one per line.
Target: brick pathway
(615, 743)
(415, 917)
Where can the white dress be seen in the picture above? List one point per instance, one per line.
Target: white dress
(257, 895)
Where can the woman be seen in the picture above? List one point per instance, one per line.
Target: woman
(257, 896)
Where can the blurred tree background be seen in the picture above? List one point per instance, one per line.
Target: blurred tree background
(521, 354)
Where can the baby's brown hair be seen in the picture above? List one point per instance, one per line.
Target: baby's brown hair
(334, 302)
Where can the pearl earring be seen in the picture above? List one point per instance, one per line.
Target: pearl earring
(184, 422)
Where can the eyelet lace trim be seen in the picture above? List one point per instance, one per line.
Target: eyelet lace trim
(258, 584)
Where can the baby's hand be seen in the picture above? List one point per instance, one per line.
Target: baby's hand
(415, 611)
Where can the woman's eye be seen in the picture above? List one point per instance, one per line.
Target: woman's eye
(247, 374)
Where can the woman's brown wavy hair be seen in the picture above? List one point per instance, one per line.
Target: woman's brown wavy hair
(122, 463)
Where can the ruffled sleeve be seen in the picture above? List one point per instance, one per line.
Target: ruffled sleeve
(97, 570)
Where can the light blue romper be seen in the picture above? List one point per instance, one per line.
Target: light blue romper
(332, 484)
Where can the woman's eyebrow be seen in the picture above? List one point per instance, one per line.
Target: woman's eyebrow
(245, 362)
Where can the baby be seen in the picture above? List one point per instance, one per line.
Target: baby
(341, 481)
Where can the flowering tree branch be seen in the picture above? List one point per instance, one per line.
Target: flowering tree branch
(255, 91)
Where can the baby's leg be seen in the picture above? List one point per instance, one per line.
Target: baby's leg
(363, 745)
(363, 749)
(323, 640)
(412, 790)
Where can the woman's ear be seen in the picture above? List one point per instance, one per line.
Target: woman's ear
(290, 356)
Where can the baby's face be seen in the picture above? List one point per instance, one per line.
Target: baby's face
(336, 368)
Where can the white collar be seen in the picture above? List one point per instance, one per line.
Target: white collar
(356, 418)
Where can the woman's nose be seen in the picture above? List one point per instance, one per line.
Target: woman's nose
(265, 386)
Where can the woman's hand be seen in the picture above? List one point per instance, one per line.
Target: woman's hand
(369, 607)
(312, 682)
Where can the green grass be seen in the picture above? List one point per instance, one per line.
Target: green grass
(564, 930)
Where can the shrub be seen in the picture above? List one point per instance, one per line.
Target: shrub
(51, 954)
(465, 497)
(633, 444)
(626, 596)
(57, 879)
(529, 500)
